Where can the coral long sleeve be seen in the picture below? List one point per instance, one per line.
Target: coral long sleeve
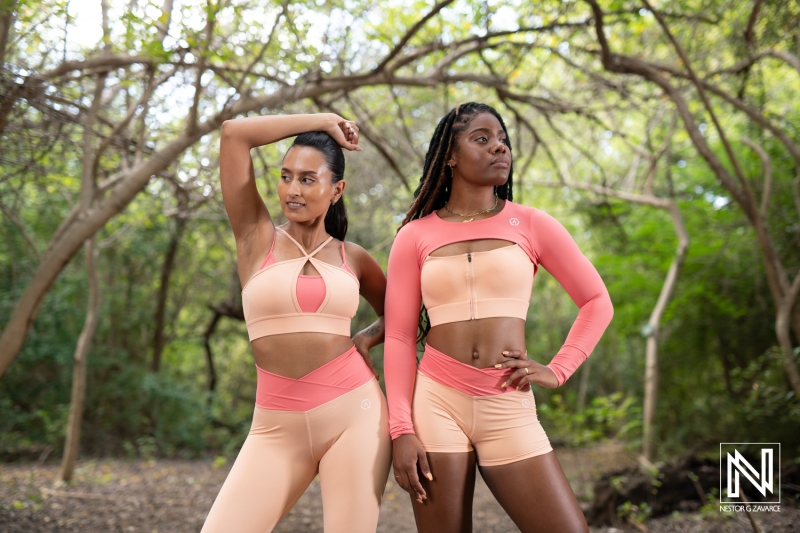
(545, 241)
(560, 256)
(403, 297)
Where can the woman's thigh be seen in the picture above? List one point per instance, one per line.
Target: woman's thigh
(536, 495)
(273, 469)
(448, 507)
(354, 468)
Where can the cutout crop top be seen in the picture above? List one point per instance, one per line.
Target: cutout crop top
(278, 299)
(495, 283)
(476, 285)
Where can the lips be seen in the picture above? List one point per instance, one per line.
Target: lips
(295, 205)
(501, 162)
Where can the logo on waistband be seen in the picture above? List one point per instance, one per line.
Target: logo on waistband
(366, 404)
(526, 403)
(514, 222)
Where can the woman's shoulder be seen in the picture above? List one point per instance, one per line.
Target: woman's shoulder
(410, 230)
(530, 213)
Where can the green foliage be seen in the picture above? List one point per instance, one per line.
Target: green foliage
(637, 514)
(612, 417)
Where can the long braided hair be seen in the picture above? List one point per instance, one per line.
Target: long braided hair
(437, 178)
(436, 182)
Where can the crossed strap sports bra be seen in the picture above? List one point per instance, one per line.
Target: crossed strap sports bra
(278, 299)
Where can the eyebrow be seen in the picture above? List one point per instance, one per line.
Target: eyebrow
(302, 172)
(487, 130)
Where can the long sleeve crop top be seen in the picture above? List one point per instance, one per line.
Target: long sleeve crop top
(545, 242)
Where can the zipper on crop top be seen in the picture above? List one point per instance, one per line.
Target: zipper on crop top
(471, 287)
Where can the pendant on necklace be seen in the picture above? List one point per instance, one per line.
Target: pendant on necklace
(468, 220)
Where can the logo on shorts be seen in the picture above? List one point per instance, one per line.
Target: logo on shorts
(366, 404)
(514, 222)
(526, 403)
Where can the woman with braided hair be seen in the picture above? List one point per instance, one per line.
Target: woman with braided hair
(470, 254)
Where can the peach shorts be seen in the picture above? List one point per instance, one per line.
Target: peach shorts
(501, 428)
(345, 440)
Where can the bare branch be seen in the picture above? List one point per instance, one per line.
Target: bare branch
(748, 193)
(143, 100)
(7, 15)
(782, 325)
(767, 163)
(410, 34)
(650, 200)
(796, 192)
(749, 33)
(162, 24)
(373, 137)
(211, 10)
(25, 235)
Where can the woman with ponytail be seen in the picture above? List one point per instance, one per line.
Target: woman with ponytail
(319, 408)
(468, 255)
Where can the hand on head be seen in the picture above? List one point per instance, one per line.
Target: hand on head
(344, 132)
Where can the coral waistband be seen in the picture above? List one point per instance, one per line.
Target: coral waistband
(473, 381)
(346, 372)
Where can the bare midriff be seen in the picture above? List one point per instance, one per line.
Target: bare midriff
(479, 343)
(293, 355)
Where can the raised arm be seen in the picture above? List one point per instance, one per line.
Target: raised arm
(560, 256)
(247, 212)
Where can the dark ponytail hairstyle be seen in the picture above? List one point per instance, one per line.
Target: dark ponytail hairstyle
(436, 182)
(336, 218)
(437, 178)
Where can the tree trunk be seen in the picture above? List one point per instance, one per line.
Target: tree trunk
(587, 366)
(777, 277)
(651, 355)
(784, 338)
(163, 291)
(76, 229)
(7, 13)
(72, 442)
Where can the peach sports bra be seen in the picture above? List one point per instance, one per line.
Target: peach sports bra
(278, 299)
(476, 285)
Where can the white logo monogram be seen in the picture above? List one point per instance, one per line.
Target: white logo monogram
(365, 404)
(526, 403)
(762, 480)
(514, 222)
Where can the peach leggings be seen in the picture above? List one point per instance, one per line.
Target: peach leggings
(345, 440)
(502, 428)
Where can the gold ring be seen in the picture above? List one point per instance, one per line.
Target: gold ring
(526, 370)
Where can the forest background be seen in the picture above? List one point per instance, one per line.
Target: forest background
(664, 135)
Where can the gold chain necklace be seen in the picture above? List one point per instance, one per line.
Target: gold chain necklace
(473, 215)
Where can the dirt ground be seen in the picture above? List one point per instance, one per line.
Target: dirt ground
(160, 496)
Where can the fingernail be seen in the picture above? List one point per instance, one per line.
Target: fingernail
(429, 476)
(505, 352)
(503, 386)
(498, 365)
